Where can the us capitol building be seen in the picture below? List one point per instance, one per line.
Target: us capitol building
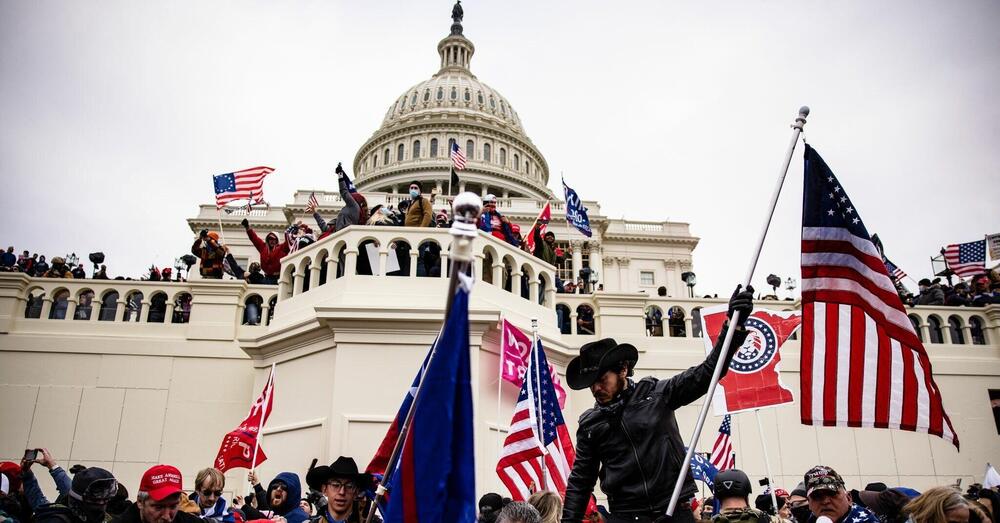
(128, 374)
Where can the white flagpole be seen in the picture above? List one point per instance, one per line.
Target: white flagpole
(222, 231)
(767, 462)
(503, 336)
(800, 121)
(260, 426)
(538, 403)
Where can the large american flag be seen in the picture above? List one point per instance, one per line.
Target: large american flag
(240, 185)
(723, 455)
(862, 364)
(966, 259)
(457, 156)
(524, 450)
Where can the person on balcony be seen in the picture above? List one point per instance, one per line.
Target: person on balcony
(8, 260)
(208, 249)
(546, 248)
(58, 269)
(40, 267)
(79, 272)
(271, 251)
(354, 211)
(630, 439)
(930, 293)
(420, 213)
(495, 223)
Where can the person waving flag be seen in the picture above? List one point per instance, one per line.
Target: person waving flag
(862, 364)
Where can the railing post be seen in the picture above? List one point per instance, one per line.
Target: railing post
(120, 310)
(414, 255)
(383, 260)
(314, 274)
(46, 307)
(350, 262)
(946, 332)
(498, 274)
(515, 282)
(444, 263)
(144, 312)
(688, 333)
(70, 307)
(533, 290)
(967, 332)
(265, 308)
(299, 280)
(331, 267)
(478, 265)
(168, 315)
(550, 294)
(925, 329)
(95, 307)
(572, 322)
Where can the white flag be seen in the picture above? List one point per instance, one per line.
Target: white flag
(992, 478)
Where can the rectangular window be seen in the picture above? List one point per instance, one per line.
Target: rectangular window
(646, 278)
(995, 405)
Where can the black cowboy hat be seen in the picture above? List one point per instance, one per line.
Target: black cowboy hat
(595, 358)
(344, 468)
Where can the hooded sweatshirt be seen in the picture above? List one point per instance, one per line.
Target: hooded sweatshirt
(290, 509)
(270, 259)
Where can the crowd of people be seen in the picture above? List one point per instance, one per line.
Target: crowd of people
(340, 493)
(982, 290)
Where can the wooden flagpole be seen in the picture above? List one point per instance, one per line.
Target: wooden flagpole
(797, 126)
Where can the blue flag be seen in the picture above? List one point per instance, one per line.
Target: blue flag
(576, 213)
(703, 470)
(435, 481)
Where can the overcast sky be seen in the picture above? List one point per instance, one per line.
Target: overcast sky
(114, 114)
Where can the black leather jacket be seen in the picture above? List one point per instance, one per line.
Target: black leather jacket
(633, 444)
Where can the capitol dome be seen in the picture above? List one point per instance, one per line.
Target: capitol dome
(453, 106)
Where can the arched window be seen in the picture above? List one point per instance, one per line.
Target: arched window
(479, 97)
(955, 328)
(440, 94)
(675, 321)
(252, 309)
(374, 159)
(470, 150)
(503, 156)
(976, 330)
(416, 149)
(517, 162)
(182, 309)
(527, 167)
(157, 308)
(451, 145)
(434, 147)
(399, 153)
(427, 95)
(585, 320)
(133, 306)
(33, 309)
(562, 318)
(468, 96)
(60, 304)
(108, 305)
(934, 326)
(487, 152)
(385, 157)
(654, 321)
(915, 321)
(85, 305)
(454, 93)
(493, 103)
(413, 99)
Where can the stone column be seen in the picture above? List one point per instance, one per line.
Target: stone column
(688, 333)
(282, 289)
(46, 307)
(414, 254)
(577, 247)
(350, 262)
(533, 290)
(444, 263)
(597, 262)
(120, 310)
(331, 267)
(169, 318)
(623, 276)
(264, 313)
(144, 312)
(498, 274)
(299, 280)
(478, 265)
(383, 260)
(673, 278)
(572, 321)
(95, 306)
(946, 332)
(550, 295)
(314, 272)
(70, 307)
(925, 330)
(967, 333)
(515, 282)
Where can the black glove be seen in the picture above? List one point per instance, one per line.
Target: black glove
(339, 170)
(203, 233)
(245, 223)
(743, 302)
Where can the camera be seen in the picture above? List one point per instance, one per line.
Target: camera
(764, 482)
(318, 500)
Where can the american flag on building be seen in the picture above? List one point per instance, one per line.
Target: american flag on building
(862, 364)
(240, 185)
(723, 454)
(521, 459)
(966, 259)
(894, 271)
(457, 156)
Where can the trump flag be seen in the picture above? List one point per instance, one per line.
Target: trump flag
(515, 353)
(753, 380)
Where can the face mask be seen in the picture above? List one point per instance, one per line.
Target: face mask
(801, 514)
(414, 193)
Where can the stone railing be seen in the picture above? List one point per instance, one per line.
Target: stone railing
(412, 252)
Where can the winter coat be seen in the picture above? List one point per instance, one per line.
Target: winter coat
(933, 295)
(350, 213)
(33, 492)
(220, 512)
(633, 444)
(131, 515)
(290, 509)
(420, 213)
(505, 233)
(748, 515)
(543, 250)
(857, 514)
(270, 259)
(8, 259)
(58, 271)
(39, 268)
(211, 259)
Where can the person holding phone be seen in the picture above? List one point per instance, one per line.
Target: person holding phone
(32, 491)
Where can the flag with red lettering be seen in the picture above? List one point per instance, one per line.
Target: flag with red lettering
(753, 380)
(862, 363)
(515, 350)
(237, 448)
(541, 223)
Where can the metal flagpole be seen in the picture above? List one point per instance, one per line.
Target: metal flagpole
(260, 426)
(767, 462)
(466, 209)
(800, 122)
(538, 404)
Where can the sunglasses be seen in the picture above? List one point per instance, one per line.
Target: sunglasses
(208, 493)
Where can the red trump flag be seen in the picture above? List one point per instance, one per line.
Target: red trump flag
(241, 447)
(753, 380)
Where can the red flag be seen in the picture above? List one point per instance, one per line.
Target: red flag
(238, 446)
(515, 350)
(753, 380)
(541, 223)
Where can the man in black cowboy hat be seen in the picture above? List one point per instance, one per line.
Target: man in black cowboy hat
(343, 487)
(630, 439)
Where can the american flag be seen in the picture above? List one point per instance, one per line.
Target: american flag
(894, 271)
(520, 465)
(862, 364)
(245, 184)
(313, 203)
(457, 156)
(723, 455)
(966, 259)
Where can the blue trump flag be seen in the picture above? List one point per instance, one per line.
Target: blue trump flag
(435, 481)
(703, 470)
(576, 213)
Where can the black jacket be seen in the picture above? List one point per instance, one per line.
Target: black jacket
(633, 444)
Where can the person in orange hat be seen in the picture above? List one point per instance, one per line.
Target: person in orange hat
(211, 253)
